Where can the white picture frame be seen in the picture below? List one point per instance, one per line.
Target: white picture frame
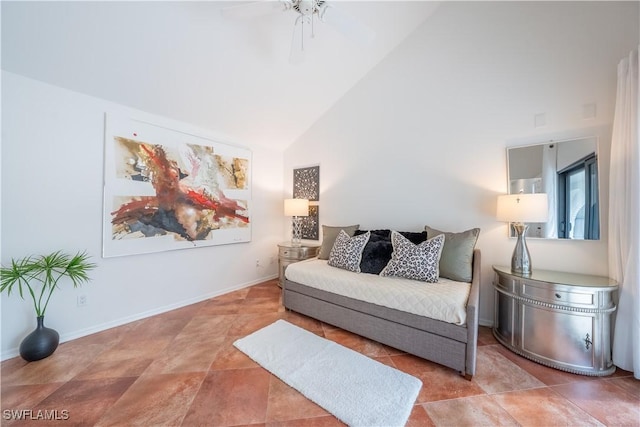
(168, 189)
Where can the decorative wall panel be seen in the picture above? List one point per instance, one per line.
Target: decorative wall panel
(306, 183)
(309, 224)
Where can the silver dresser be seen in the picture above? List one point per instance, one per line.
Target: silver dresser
(561, 320)
(288, 254)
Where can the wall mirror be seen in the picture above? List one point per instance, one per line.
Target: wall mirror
(567, 171)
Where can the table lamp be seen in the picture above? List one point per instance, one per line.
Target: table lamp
(519, 209)
(296, 208)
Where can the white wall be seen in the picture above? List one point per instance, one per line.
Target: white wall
(421, 139)
(52, 176)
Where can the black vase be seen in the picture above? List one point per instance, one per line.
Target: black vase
(40, 343)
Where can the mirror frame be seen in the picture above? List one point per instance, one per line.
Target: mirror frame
(537, 230)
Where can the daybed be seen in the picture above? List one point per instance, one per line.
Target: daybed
(314, 288)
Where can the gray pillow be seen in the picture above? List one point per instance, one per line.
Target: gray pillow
(457, 253)
(329, 234)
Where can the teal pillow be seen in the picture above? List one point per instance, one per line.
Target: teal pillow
(329, 234)
(456, 261)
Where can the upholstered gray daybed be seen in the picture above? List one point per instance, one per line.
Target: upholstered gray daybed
(450, 344)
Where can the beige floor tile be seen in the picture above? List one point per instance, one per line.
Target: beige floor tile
(543, 407)
(469, 411)
(495, 373)
(229, 398)
(80, 403)
(628, 384)
(286, 403)
(438, 382)
(604, 400)
(158, 400)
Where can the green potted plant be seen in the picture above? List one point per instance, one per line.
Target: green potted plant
(39, 276)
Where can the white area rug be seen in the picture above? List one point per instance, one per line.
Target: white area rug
(357, 390)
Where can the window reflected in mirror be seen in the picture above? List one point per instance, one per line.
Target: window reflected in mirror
(568, 172)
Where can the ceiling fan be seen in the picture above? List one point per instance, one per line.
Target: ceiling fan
(309, 12)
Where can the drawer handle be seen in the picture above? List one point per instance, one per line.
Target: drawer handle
(558, 296)
(587, 342)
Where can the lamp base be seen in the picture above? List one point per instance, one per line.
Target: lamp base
(521, 261)
(296, 232)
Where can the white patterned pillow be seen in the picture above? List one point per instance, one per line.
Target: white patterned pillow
(347, 251)
(417, 262)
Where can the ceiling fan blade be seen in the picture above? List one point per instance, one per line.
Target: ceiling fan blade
(253, 9)
(347, 25)
(296, 56)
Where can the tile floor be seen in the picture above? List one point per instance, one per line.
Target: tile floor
(180, 368)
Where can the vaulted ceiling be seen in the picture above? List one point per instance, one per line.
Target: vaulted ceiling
(186, 61)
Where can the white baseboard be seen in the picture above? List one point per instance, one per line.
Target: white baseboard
(485, 322)
(70, 336)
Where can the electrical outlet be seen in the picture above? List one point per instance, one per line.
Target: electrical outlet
(82, 300)
(272, 260)
(257, 263)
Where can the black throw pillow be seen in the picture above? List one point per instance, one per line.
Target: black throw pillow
(377, 252)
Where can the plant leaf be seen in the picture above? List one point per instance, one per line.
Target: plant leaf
(45, 270)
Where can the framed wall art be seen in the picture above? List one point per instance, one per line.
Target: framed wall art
(165, 189)
(306, 183)
(309, 224)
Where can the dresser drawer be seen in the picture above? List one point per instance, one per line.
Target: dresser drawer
(554, 296)
(299, 253)
(506, 283)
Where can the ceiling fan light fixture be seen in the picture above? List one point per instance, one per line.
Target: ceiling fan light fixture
(307, 7)
(308, 11)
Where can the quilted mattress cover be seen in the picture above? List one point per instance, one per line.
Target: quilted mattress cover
(445, 300)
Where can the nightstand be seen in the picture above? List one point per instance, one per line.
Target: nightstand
(561, 320)
(288, 254)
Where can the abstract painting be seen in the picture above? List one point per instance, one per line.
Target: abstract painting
(167, 189)
(306, 183)
(309, 224)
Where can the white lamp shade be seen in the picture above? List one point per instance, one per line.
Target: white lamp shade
(523, 208)
(296, 207)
